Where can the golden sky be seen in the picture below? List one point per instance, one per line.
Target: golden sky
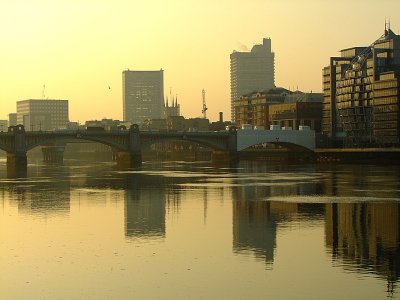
(77, 48)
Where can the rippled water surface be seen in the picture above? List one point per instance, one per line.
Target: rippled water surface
(179, 230)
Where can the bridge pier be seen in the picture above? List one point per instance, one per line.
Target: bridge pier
(17, 165)
(17, 161)
(53, 154)
(132, 157)
(127, 159)
(230, 156)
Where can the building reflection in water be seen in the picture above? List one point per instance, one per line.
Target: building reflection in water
(255, 224)
(256, 219)
(147, 199)
(364, 237)
(360, 236)
(144, 213)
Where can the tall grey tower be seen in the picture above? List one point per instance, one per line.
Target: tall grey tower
(143, 95)
(252, 71)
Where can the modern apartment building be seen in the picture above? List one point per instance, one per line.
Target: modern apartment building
(143, 95)
(42, 114)
(361, 94)
(251, 71)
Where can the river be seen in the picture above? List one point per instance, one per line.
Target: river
(178, 230)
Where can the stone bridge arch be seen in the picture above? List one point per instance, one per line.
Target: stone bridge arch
(212, 144)
(118, 143)
(299, 139)
(289, 146)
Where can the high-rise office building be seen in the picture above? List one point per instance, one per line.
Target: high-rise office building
(3, 125)
(362, 94)
(252, 71)
(143, 95)
(12, 119)
(41, 114)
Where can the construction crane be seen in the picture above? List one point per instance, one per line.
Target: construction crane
(204, 110)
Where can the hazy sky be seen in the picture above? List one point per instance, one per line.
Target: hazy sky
(77, 48)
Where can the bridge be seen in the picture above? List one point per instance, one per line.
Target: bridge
(128, 144)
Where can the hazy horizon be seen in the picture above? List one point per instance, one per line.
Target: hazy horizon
(78, 50)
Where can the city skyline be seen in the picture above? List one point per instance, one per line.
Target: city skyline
(78, 50)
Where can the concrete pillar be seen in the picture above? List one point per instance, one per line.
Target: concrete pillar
(128, 159)
(16, 160)
(132, 157)
(230, 156)
(53, 154)
(135, 147)
(17, 164)
(114, 155)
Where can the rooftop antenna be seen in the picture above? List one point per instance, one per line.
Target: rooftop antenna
(204, 110)
(43, 91)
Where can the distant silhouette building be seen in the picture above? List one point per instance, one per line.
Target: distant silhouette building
(106, 124)
(42, 114)
(172, 110)
(362, 94)
(178, 123)
(3, 125)
(12, 119)
(220, 124)
(251, 71)
(143, 95)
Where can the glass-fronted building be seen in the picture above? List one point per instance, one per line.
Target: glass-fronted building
(361, 95)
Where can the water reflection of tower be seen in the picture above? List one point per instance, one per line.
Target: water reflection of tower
(256, 219)
(365, 237)
(254, 229)
(144, 207)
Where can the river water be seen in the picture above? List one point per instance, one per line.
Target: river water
(176, 230)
